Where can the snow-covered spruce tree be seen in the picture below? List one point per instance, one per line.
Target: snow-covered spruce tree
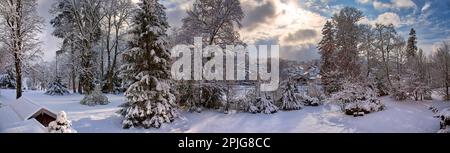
(61, 124)
(95, 98)
(247, 103)
(357, 99)
(265, 104)
(57, 88)
(411, 48)
(288, 100)
(150, 101)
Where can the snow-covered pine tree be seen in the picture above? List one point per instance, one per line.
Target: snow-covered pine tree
(288, 100)
(150, 101)
(61, 124)
(247, 103)
(265, 104)
(57, 88)
(95, 98)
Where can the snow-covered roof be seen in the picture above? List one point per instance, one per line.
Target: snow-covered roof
(8, 115)
(26, 108)
(28, 126)
(18, 117)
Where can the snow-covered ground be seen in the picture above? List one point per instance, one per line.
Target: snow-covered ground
(399, 117)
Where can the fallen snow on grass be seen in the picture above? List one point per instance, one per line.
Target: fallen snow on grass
(407, 116)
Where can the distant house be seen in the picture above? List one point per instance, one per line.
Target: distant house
(24, 116)
(304, 77)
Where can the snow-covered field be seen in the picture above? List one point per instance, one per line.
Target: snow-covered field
(399, 117)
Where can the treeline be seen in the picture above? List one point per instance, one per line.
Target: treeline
(379, 57)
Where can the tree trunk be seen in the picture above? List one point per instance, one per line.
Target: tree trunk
(18, 66)
(80, 87)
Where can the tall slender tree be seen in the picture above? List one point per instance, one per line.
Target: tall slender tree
(20, 24)
(411, 48)
(347, 31)
(327, 49)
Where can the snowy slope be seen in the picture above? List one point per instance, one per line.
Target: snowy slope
(410, 117)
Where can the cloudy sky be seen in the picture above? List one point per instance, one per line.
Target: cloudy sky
(296, 24)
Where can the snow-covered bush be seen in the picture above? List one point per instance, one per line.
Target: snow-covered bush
(61, 124)
(433, 109)
(288, 100)
(7, 81)
(444, 116)
(247, 103)
(57, 88)
(443, 131)
(95, 98)
(443, 92)
(254, 104)
(419, 91)
(332, 81)
(380, 86)
(307, 100)
(356, 99)
(399, 94)
(315, 92)
(265, 105)
(187, 96)
(213, 96)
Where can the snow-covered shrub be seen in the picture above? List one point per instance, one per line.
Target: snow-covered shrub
(433, 109)
(380, 86)
(413, 87)
(399, 94)
(212, 96)
(254, 104)
(188, 97)
(443, 92)
(443, 131)
(7, 81)
(288, 100)
(356, 99)
(57, 88)
(332, 81)
(95, 98)
(61, 124)
(419, 91)
(247, 103)
(308, 100)
(444, 116)
(265, 105)
(315, 92)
